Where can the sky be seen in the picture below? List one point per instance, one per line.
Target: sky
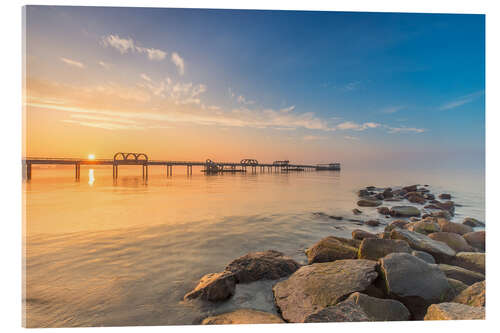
(365, 89)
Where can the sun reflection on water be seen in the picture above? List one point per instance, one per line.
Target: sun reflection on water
(91, 177)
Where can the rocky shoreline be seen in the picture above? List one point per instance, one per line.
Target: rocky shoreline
(421, 266)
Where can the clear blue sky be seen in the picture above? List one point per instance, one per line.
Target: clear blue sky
(327, 81)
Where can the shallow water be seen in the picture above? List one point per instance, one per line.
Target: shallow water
(104, 254)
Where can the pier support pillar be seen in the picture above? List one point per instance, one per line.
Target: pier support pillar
(27, 171)
(115, 171)
(77, 171)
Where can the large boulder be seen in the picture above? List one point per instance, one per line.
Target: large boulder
(461, 274)
(415, 197)
(453, 311)
(214, 287)
(424, 256)
(457, 286)
(380, 309)
(439, 250)
(474, 295)
(314, 287)
(345, 311)
(472, 222)
(476, 239)
(268, 265)
(423, 227)
(455, 241)
(376, 248)
(361, 234)
(395, 224)
(413, 281)
(404, 211)
(473, 261)
(332, 248)
(369, 203)
(243, 316)
(456, 228)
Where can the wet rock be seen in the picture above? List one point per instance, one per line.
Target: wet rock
(369, 203)
(415, 197)
(380, 309)
(457, 286)
(411, 188)
(404, 211)
(332, 248)
(475, 295)
(363, 193)
(444, 196)
(473, 261)
(384, 235)
(423, 227)
(456, 228)
(424, 256)
(376, 248)
(214, 287)
(447, 206)
(314, 287)
(383, 210)
(269, 265)
(356, 211)
(372, 223)
(345, 311)
(453, 311)
(439, 214)
(387, 193)
(399, 193)
(455, 241)
(243, 316)
(361, 234)
(472, 222)
(395, 224)
(461, 274)
(412, 281)
(439, 250)
(429, 196)
(476, 239)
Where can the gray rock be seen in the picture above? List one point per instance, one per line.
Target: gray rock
(395, 224)
(314, 287)
(472, 222)
(404, 211)
(243, 316)
(411, 188)
(455, 241)
(369, 203)
(423, 227)
(461, 274)
(457, 286)
(453, 311)
(372, 223)
(268, 265)
(214, 287)
(376, 248)
(413, 281)
(342, 312)
(356, 211)
(424, 256)
(332, 248)
(473, 261)
(474, 295)
(380, 309)
(476, 239)
(439, 250)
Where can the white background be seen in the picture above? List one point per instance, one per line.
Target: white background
(10, 156)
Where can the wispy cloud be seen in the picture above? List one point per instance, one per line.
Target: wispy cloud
(352, 86)
(179, 62)
(461, 101)
(405, 129)
(349, 125)
(126, 45)
(104, 64)
(352, 138)
(242, 100)
(312, 138)
(392, 109)
(73, 63)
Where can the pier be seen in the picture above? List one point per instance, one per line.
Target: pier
(141, 159)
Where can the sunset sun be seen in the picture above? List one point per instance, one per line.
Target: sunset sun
(91, 157)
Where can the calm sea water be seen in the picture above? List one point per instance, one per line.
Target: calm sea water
(104, 254)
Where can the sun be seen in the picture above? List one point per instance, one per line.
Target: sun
(91, 157)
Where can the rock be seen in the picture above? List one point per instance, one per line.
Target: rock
(453, 311)
(429, 196)
(380, 309)
(444, 196)
(387, 193)
(472, 261)
(424, 256)
(456, 228)
(415, 197)
(376, 248)
(395, 224)
(447, 206)
(472, 222)
(399, 193)
(342, 312)
(476, 239)
(332, 248)
(455, 241)
(363, 193)
(361, 234)
(383, 210)
(461, 274)
(371, 188)
(457, 286)
(369, 203)
(214, 287)
(439, 214)
(384, 235)
(372, 223)
(439, 250)
(411, 188)
(269, 265)
(474, 295)
(356, 211)
(243, 316)
(413, 281)
(315, 287)
(423, 227)
(404, 211)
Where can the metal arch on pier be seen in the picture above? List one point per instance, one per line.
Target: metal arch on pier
(130, 158)
(248, 161)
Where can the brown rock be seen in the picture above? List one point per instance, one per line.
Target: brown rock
(415, 197)
(456, 228)
(404, 211)
(453, 311)
(380, 309)
(473, 261)
(474, 295)
(243, 316)
(455, 241)
(361, 234)
(423, 227)
(411, 188)
(369, 203)
(424, 256)
(214, 287)
(395, 224)
(472, 222)
(376, 248)
(332, 248)
(439, 250)
(476, 239)
(356, 211)
(457, 286)
(342, 312)
(461, 274)
(444, 196)
(383, 210)
(372, 223)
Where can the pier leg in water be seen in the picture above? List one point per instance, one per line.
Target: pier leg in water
(77, 171)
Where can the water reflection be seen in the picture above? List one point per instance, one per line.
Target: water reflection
(91, 177)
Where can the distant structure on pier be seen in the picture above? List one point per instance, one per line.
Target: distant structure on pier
(329, 166)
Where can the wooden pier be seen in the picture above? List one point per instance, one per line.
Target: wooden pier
(141, 159)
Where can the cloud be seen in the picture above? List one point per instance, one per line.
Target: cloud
(405, 129)
(126, 45)
(349, 125)
(353, 138)
(105, 64)
(312, 138)
(392, 109)
(179, 62)
(242, 100)
(461, 101)
(352, 85)
(72, 62)
(145, 77)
